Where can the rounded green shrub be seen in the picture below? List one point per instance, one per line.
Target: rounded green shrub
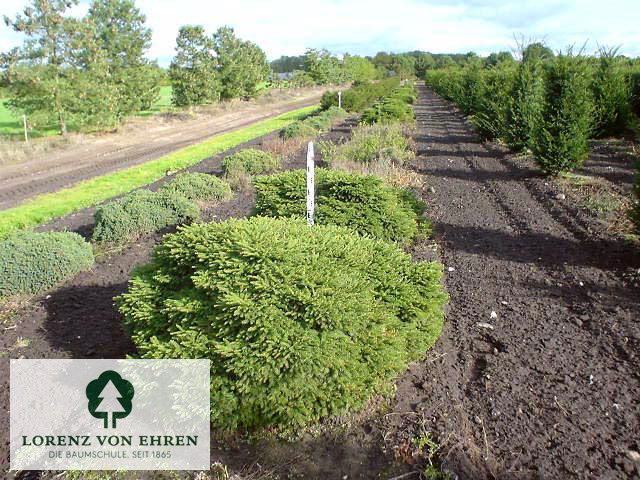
(297, 129)
(141, 212)
(32, 262)
(299, 322)
(198, 186)
(251, 161)
(361, 202)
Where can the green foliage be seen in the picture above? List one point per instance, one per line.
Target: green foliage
(139, 213)
(60, 74)
(359, 69)
(361, 95)
(324, 68)
(361, 202)
(198, 186)
(526, 104)
(251, 162)
(560, 140)
(299, 322)
(611, 94)
(32, 262)
(392, 108)
(242, 65)
(311, 126)
(298, 129)
(286, 64)
(492, 117)
(382, 145)
(194, 70)
(120, 27)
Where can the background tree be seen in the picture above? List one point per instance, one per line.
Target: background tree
(286, 64)
(359, 68)
(324, 68)
(496, 59)
(424, 62)
(242, 65)
(193, 71)
(121, 29)
(57, 74)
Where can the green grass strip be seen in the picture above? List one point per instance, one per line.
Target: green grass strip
(90, 192)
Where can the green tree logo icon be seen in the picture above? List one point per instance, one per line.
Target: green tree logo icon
(110, 395)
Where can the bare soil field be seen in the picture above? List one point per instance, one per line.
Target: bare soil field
(535, 376)
(139, 142)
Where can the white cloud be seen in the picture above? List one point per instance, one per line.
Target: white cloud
(287, 27)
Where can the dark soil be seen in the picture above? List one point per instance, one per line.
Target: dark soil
(550, 387)
(547, 388)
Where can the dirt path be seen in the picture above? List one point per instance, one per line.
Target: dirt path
(548, 386)
(101, 155)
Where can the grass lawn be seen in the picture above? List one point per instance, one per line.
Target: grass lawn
(46, 207)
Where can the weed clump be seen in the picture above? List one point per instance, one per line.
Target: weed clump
(32, 262)
(382, 145)
(299, 322)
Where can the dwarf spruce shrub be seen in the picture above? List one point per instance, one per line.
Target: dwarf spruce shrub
(139, 213)
(361, 95)
(361, 202)
(299, 322)
(32, 262)
(560, 139)
(251, 161)
(198, 186)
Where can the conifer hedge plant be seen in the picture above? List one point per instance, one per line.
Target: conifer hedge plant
(299, 322)
(361, 202)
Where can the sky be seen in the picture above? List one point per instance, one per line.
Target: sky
(364, 27)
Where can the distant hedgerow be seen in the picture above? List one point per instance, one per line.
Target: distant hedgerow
(299, 322)
(32, 262)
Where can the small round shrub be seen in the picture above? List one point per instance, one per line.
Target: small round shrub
(32, 262)
(198, 186)
(141, 212)
(297, 129)
(251, 161)
(361, 202)
(298, 322)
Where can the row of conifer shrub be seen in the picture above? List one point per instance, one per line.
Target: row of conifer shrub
(143, 211)
(550, 106)
(361, 95)
(395, 107)
(300, 322)
(313, 125)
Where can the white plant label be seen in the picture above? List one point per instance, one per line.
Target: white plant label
(339, 99)
(311, 174)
